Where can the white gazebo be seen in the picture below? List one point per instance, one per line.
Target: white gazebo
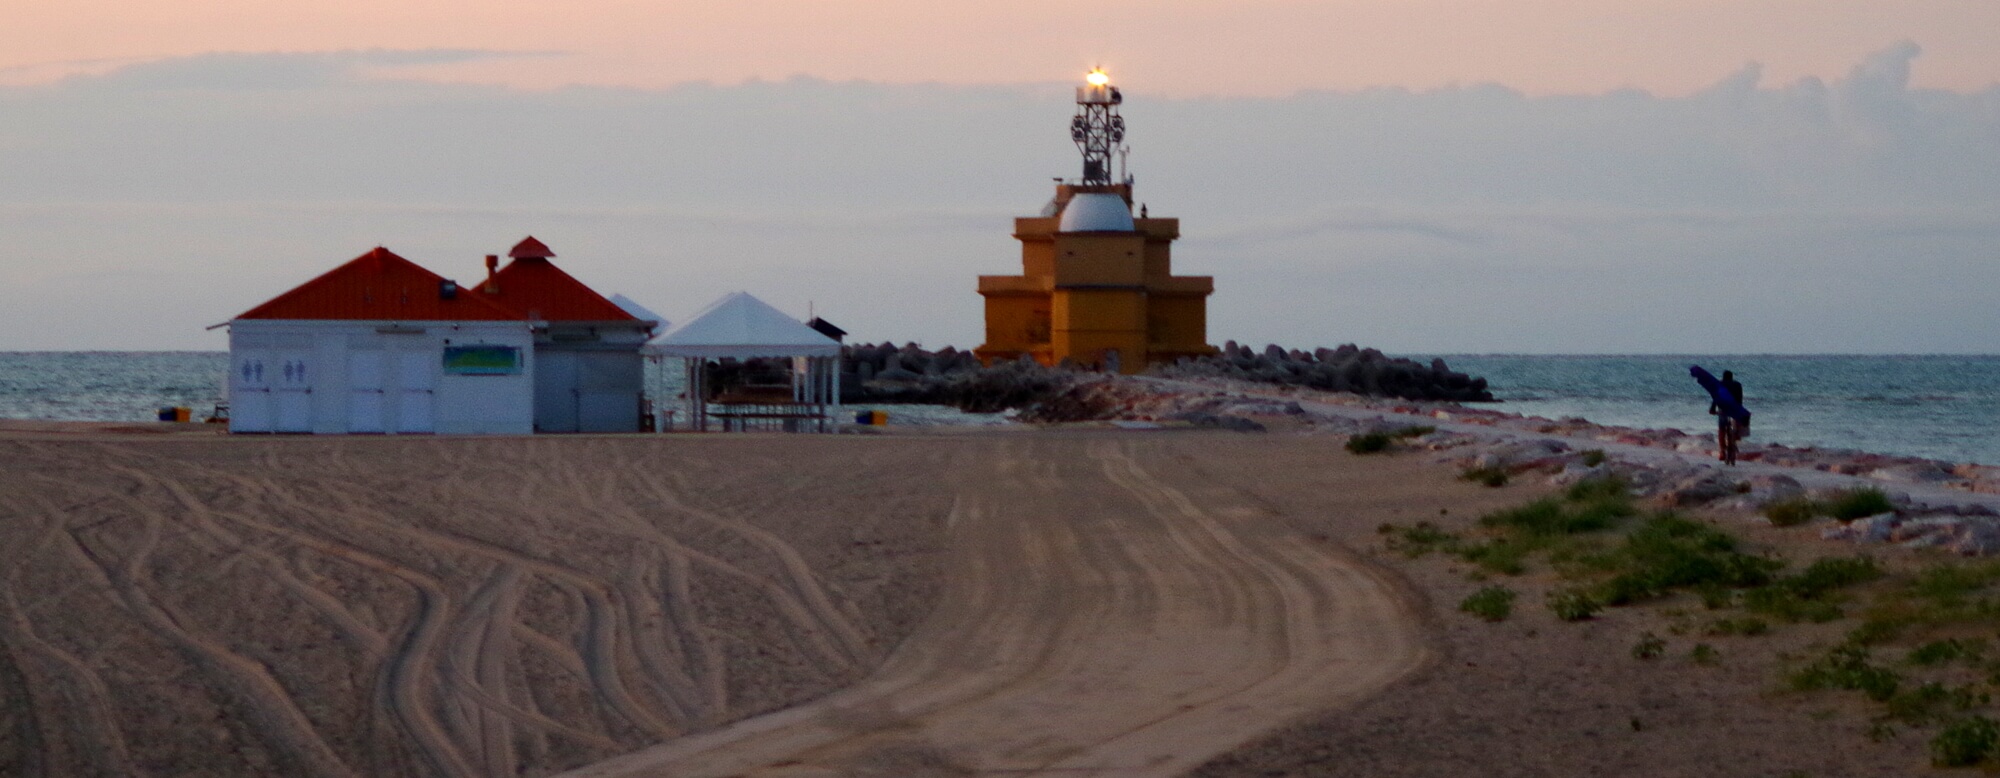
(742, 327)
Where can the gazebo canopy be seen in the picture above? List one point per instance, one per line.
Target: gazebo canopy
(743, 327)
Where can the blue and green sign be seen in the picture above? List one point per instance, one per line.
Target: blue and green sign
(482, 360)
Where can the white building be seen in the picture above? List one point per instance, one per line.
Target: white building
(381, 345)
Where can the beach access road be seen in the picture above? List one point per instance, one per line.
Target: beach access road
(1110, 610)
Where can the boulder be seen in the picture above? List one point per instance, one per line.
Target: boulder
(1874, 529)
(1700, 490)
(1913, 473)
(1925, 526)
(1978, 537)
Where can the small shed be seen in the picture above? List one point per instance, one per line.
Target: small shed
(730, 333)
(589, 376)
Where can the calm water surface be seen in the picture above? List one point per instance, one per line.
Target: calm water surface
(1943, 407)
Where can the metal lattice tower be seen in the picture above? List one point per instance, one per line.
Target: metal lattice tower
(1097, 128)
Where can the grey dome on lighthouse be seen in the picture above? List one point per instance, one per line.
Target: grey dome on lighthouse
(1096, 212)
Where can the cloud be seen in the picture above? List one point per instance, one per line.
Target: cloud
(1855, 214)
(233, 71)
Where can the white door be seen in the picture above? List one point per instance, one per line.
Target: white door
(416, 388)
(293, 390)
(555, 391)
(250, 405)
(607, 392)
(365, 399)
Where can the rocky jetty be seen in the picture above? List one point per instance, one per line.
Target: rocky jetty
(1349, 368)
(887, 373)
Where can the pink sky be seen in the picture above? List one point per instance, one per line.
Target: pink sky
(1171, 47)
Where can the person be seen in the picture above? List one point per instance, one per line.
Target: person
(1729, 430)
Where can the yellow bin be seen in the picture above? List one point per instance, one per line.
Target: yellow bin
(878, 418)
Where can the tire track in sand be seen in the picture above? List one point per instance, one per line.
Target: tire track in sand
(1109, 613)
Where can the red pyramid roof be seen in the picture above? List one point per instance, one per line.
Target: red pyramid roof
(529, 247)
(541, 290)
(379, 285)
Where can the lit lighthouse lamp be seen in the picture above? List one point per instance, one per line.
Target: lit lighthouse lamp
(1097, 90)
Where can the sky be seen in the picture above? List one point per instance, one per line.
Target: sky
(1471, 176)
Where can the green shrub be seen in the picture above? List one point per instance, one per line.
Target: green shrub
(1413, 431)
(1846, 667)
(1965, 742)
(1704, 654)
(1855, 503)
(1650, 646)
(1791, 512)
(1495, 477)
(1493, 603)
(1368, 443)
(1593, 457)
(1572, 605)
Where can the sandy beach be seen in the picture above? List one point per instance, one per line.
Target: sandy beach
(1061, 601)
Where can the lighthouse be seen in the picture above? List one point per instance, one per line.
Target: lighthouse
(1096, 286)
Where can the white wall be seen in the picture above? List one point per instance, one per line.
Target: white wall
(335, 377)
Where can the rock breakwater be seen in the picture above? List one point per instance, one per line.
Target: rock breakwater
(887, 373)
(1349, 368)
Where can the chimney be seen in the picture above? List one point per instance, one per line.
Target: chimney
(492, 267)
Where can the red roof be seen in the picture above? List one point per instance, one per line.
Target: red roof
(529, 247)
(379, 285)
(544, 292)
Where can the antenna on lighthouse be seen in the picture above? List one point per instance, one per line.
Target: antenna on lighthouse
(1097, 128)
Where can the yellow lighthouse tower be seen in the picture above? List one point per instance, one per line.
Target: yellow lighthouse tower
(1097, 284)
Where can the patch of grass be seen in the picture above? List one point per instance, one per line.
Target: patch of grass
(1810, 595)
(1419, 540)
(1846, 667)
(1791, 512)
(1605, 487)
(1650, 646)
(1746, 626)
(1965, 742)
(1377, 442)
(1950, 585)
(1368, 443)
(1573, 605)
(1856, 503)
(1932, 703)
(1593, 457)
(1939, 652)
(1495, 477)
(1704, 654)
(1550, 516)
(1492, 603)
(1666, 553)
(1503, 556)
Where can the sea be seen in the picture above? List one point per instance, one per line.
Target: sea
(1934, 406)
